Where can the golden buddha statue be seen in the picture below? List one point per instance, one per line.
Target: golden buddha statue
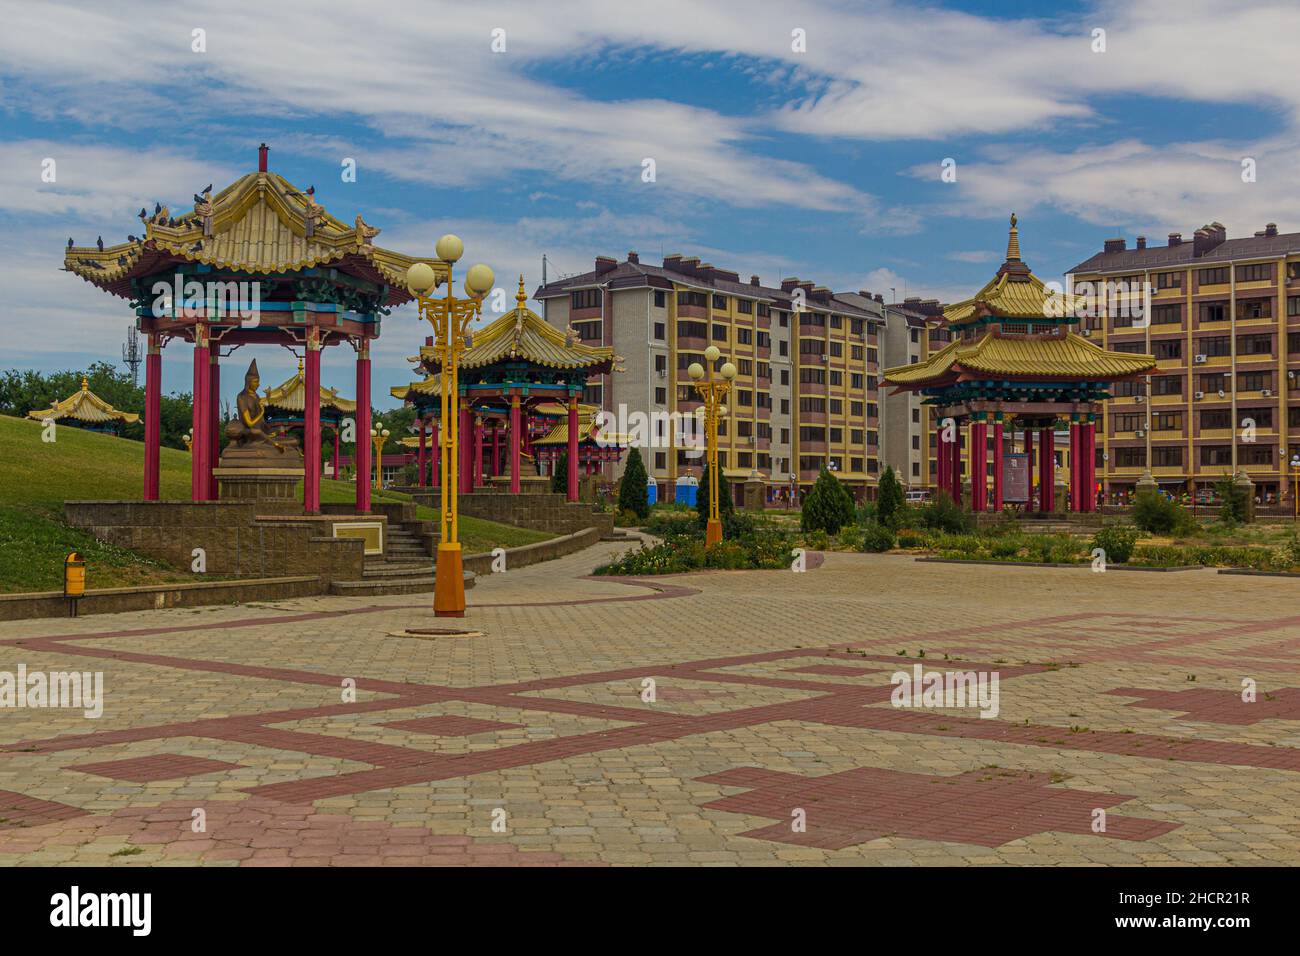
(247, 428)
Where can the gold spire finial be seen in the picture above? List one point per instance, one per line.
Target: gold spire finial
(1013, 242)
(300, 365)
(521, 296)
(85, 386)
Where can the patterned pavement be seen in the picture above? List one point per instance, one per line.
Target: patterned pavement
(715, 719)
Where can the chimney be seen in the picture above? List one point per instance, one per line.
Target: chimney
(1141, 242)
(789, 285)
(633, 257)
(753, 280)
(705, 272)
(912, 300)
(1207, 238)
(1114, 245)
(880, 297)
(605, 264)
(1175, 239)
(261, 157)
(690, 265)
(673, 263)
(1270, 230)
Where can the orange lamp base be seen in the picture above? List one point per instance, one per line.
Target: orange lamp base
(712, 532)
(449, 582)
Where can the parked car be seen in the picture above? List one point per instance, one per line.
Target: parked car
(917, 496)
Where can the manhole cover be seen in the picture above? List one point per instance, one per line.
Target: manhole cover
(433, 633)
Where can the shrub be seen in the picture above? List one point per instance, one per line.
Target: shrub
(764, 548)
(1155, 513)
(1234, 507)
(889, 500)
(944, 514)
(828, 506)
(633, 492)
(876, 537)
(908, 538)
(672, 524)
(817, 540)
(627, 519)
(726, 506)
(560, 477)
(1117, 542)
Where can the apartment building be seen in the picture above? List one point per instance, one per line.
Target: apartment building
(1224, 326)
(806, 392)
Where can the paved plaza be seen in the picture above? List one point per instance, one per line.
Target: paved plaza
(719, 718)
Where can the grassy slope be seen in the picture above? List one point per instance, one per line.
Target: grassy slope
(36, 477)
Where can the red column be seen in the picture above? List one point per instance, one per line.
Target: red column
(311, 444)
(1090, 462)
(1047, 470)
(573, 448)
(362, 446)
(478, 452)
(515, 440)
(200, 419)
(214, 417)
(495, 463)
(978, 466)
(152, 417)
(466, 429)
(1029, 466)
(335, 469)
(942, 462)
(1074, 466)
(997, 467)
(419, 455)
(435, 454)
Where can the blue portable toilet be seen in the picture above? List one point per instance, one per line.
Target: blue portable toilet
(687, 488)
(651, 490)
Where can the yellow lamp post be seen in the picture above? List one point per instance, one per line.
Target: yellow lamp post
(450, 318)
(712, 392)
(378, 436)
(188, 438)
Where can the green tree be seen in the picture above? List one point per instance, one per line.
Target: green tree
(889, 501)
(560, 477)
(726, 505)
(1233, 507)
(828, 506)
(633, 492)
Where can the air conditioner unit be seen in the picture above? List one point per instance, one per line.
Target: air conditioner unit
(663, 373)
(1201, 359)
(1140, 434)
(1200, 394)
(1221, 393)
(1266, 392)
(1139, 399)
(1086, 333)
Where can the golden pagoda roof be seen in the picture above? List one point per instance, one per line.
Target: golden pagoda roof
(291, 396)
(83, 406)
(559, 410)
(258, 224)
(522, 334)
(1020, 356)
(432, 385)
(1014, 293)
(559, 433)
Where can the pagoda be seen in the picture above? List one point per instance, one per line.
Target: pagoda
(595, 447)
(84, 409)
(259, 263)
(1016, 361)
(509, 367)
(286, 407)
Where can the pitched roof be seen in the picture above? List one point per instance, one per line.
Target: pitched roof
(259, 224)
(1014, 292)
(522, 334)
(1019, 356)
(432, 385)
(559, 434)
(1184, 254)
(83, 406)
(291, 396)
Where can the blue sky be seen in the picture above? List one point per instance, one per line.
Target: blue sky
(822, 162)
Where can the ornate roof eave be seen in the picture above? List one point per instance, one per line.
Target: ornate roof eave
(207, 235)
(83, 406)
(291, 396)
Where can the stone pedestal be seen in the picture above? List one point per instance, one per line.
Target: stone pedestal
(1062, 503)
(755, 494)
(276, 488)
(1241, 481)
(1145, 483)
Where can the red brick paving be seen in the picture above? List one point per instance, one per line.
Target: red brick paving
(983, 807)
(450, 725)
(156, 767)
(20, 810)
(1219, 706)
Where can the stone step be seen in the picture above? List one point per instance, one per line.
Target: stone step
(370, 587)
(398, 571)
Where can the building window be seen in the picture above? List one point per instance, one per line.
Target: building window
(1254, 381)
(837, 378)
(1167, 421)
(1255, 272)
(661, 396)
(660, 330)
(1255, 309)
(855, 409)
(585, 299)
(661, 362)
(764, 340)
(1216, 455)
(1166, 315)
(661, 299)
(1255, 345)
(1167, 385)
(661, 461)
(745, 306)
(1170, 457)
(592, 395)
(1214, 345)
(697, 299)
(1214, 312)
(783, 347)
(1217, 276)
(719, 332)
(1169, 280)
(1216, 418)
(720, 302)
(589, 331)
(1130, 457)
(744, 336)
(837, 406)
(692, 330)
(837, 350)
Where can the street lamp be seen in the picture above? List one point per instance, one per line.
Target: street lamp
(712, 393)
(450, 318)
(188, 438)
(379, 435)
(1295, 484)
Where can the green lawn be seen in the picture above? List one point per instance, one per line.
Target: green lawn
(36, 477)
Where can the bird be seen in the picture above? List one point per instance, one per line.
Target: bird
(197, 247)
(121, 260)
(208, 188)
(69, 242)
(143, 214)
(157, 208)
(198, 198)
(130, 238)
(99, 242)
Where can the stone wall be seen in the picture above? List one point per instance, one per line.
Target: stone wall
(549, 512)
(46, 604)
(235, 541)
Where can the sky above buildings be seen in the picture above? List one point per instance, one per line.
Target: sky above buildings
(787, 138)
